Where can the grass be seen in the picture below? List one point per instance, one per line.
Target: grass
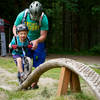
(82, 96)
(8, 64)
(43, 93)
(97, 70)
(53, 73)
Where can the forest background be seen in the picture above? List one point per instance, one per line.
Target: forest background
(74, 25)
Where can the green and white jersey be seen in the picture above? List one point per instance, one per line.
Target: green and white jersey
(33, 26)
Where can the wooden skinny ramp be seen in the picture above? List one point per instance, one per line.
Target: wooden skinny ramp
(85, 72)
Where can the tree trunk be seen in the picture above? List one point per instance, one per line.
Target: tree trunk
(76, 42)
(64, 26)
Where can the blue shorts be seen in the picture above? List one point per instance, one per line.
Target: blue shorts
(38, 55)
(15, 57)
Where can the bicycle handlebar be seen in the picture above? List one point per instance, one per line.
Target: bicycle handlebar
(16, 46)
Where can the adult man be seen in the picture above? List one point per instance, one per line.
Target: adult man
(37, 24)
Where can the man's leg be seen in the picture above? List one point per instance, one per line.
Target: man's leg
(39, 56)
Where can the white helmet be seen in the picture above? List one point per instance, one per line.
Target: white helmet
(35, 9)
(21, 27)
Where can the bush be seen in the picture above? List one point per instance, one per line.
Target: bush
(95, 49)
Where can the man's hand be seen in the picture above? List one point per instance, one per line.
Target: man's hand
(42, 37)
(35, 44)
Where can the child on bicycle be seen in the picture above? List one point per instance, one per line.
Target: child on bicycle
(17, 53)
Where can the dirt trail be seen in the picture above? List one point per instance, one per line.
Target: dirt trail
(89, 60)
(8, 80)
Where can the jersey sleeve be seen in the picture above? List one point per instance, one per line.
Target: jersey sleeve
(19, 18)
(44, 23)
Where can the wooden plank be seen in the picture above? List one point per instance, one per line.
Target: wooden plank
(74, 82)
(63, 81)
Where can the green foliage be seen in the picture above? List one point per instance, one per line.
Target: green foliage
(96, 10)
(96, 49)
(62, 15)
(70, 52)
(49, 12)
(72, 5)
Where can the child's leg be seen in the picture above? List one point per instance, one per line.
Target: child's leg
(19, 64)
(18, 61)
(20, 69)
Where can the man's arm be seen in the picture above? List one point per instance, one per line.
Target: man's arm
(43, 35)
(17, 22)
(14, 30)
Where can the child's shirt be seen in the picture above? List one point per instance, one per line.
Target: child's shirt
(19, 51)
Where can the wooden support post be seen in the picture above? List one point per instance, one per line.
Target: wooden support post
(66, 77)
(74, 82)
(63, 81)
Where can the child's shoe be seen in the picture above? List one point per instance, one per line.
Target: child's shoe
(23, 76)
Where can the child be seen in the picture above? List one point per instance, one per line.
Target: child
(20, 40)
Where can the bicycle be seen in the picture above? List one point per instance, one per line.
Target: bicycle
(26, 63)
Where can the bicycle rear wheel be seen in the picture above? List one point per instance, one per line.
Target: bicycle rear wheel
(27, 66)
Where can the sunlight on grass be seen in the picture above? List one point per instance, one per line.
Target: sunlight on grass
(97, 70)
(16, 83)
(8, 64)
(53, 73)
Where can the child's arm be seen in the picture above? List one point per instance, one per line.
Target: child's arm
(12, 42)
(10, 45)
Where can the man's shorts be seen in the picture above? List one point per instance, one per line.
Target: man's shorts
(38, 55)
